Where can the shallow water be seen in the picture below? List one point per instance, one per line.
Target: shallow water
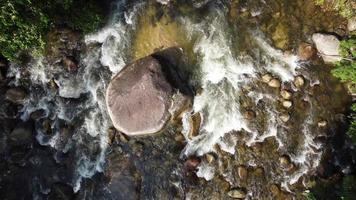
(229, 76)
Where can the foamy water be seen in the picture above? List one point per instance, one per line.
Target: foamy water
(222, 75)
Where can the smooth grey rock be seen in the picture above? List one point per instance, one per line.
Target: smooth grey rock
(328, 47)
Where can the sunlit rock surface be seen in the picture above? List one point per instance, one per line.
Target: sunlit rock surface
(140, 97)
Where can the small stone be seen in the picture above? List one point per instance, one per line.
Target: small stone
(192, 163)
(351, 24)
(285, 117)
(284, 161)
(274, 190)
(179, 138)
(286, 94)
(38, 114)
(287, 104)
(195, 122)
(209, 157)
(22, 134)
(70, 63)
(299, 81)
(111, 135)
(322, 123)
(249, 115)
(237, 193)
(16, 95)
(275, 83)
(266, 78)
(242, 171)
(306, 51)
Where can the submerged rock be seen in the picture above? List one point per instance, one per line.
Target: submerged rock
(286, 94)
(287, 104)
(328, 46)
(16, 95)
(305, 51)
(139, 98)
(285, 117)
(351, 24)
(266, 78)
(237, 194)
(299, 81)
(275, 83)
(22, 134)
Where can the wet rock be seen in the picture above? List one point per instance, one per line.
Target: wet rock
(163, 2)
(351, 24)
(61, 192)
(322, 123)
(287, 104)
(195, 122)
(328, 46)
(242, 172)
(286, 94)
(16, 95)
(209, 157)
(22, 134)
(274, 190)
(70, 63)
(237, 193)
(275, 83)
(192, 163)
(179, 138)
(284, 117)
(280, 36)
(38, 114)
(284, 161)
(299, 81)
(266, 78)
(139, 98)
(249, 115)
(306, 51)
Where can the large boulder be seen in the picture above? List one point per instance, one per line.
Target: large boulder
(328, 47)
(141, 97)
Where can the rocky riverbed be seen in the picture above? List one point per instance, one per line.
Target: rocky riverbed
(266, 118)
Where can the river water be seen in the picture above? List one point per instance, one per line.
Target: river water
(230, 82)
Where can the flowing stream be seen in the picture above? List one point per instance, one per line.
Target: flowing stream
(228, 78)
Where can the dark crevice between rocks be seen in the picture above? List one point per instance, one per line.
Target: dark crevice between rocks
(173, 69)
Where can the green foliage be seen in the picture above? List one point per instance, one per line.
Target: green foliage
(349, 188)
(18, 29)
(24, 23)
(346, 69)
(343, 7)
(309, 195)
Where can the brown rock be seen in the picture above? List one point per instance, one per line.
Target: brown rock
(306, 51)
(287, 104)
(249, 115)
(284, 161)
(275, 83)
(284, 117)
(299, 81)
(192, 163)
(322, 123)
(16, 95)
(274, 190)
(237, 193)
(286, 94)
(209, 157)
(70, 63)
(242, 172)
(195, 122)
(266, 78)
